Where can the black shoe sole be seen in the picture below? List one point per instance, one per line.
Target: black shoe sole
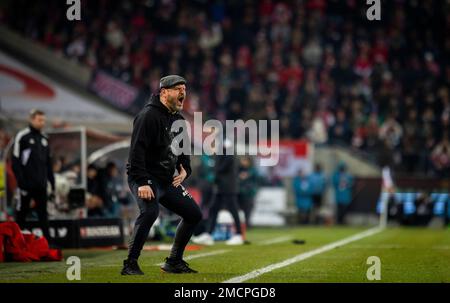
(125, 273)
(171, 271)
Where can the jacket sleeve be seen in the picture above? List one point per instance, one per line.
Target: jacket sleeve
(17, 165)
(50, 175)
(140, 142)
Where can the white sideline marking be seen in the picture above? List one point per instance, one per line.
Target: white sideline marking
(303, 256)
(211, 253)
(441, 247)
(275, 240)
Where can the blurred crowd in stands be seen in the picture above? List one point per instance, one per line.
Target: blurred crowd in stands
(320, 67)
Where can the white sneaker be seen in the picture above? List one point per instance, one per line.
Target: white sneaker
(204, 239)
(235, 240)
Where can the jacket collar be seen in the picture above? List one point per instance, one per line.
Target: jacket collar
(34, 130)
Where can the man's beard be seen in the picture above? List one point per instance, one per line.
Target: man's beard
(173, 101)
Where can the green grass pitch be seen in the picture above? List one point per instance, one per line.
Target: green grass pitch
(406, 254)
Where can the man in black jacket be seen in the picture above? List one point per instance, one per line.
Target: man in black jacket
(33, 169)
(151, 167)
(226, 196)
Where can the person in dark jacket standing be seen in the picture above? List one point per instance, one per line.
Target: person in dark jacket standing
(151, 167)
(32, 168)
(226, 195)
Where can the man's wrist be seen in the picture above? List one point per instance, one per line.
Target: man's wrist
(145, 182)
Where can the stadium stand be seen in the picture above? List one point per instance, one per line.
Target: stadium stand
(325, 73)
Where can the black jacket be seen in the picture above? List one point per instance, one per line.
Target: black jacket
(151, 157)
(226, 174)
(31, 160)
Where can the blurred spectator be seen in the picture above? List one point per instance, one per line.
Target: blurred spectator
(114, 35)
(312, 53)
(440, 158)
(318, 132)
(318, 186)
(59, 207)
(371, 131)
(391, 132)
(303, 196)
(410, 142)
(115, 191)
(73, 173)
(210, 37)
(343, 184)
(94, 202)
(272, 178)
(340, 131)
(424, 209)
(61, 184)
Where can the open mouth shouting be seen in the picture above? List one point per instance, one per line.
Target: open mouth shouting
(180, 100)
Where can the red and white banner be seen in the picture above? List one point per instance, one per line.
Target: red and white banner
(23, 88)
(295, 155)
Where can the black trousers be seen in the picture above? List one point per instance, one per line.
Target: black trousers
(317, 200)
(175, 199)
(341, 212)
(317, 203)
(23, 208)
(246, 204)
(221, 201)
(303, 216)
